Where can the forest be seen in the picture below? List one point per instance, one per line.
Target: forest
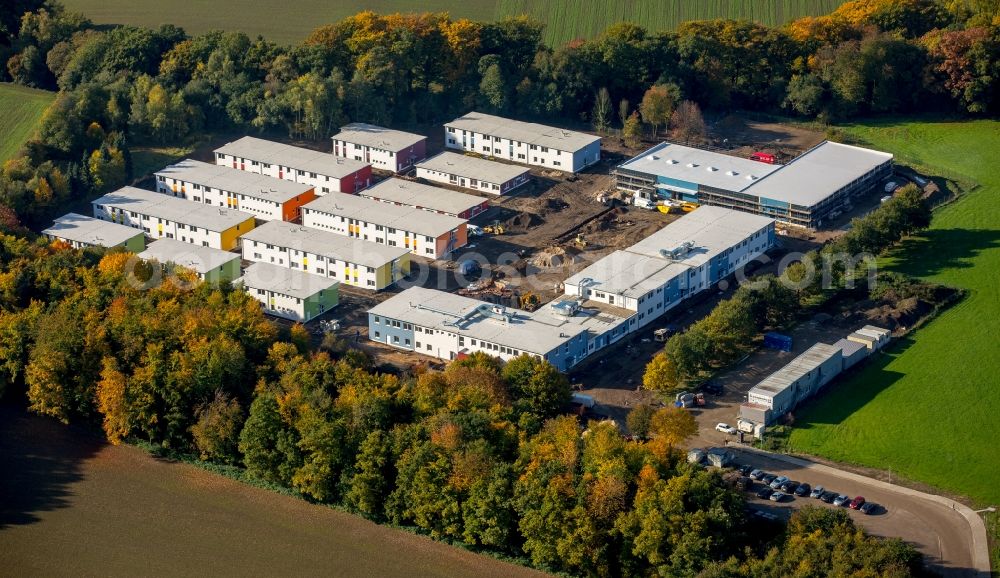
(478, 454)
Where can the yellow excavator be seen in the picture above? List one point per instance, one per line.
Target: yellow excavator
(495, 228)
(529, 301)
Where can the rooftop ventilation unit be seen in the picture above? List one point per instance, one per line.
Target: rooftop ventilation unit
(677, 252)
(691, 165)
(711, 169)
(732, 173)
(751, 178)
(655, 158)
(671, 161)
(566, 308)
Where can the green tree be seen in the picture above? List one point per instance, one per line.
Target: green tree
(600, 117)
(639, 420)
(632, 131)
(217, 429)
(371, 482)
(658, 104)
(536, 385)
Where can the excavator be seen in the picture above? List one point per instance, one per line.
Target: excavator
(494, 228)
(529, 301)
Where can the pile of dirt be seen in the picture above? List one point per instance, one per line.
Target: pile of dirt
(903, 313)
(552, 257)
(522, 222)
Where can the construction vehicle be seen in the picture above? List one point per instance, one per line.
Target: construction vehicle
(661, 335)
(494, 228)
(580, 241)
(529, 301)
(688, 207)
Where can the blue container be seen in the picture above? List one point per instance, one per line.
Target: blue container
(777, 341)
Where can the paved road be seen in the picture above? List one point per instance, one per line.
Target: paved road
(941, 533)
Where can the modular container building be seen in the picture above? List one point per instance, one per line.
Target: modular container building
(434, 199)
(81, 231)
(266, 198)
(852, 351)
(164, 217)
(325, 172)
(384, 148)
(473, 173)
(290, 294)
(523, 142)
(421, 232)
(210, 265)
(874, 338)
(805, 375)
(351, 261)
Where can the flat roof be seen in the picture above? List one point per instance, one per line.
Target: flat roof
(472, 318)
(849, 348)
(285, 281)
(173, 209)
(699, 166)
(195, 257)
(91, 230)
(234, 181)
(641, 268)
(818, 173)
(419, 195)
(369, 210)
(807, 361)
(276, 153)
(526, 132)
(378, 137)
(472, 167)
(325, 243)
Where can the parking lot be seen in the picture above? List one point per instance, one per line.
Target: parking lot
(938, 531)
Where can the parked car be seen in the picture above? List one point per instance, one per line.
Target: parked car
(768, 478)
(757, 474)
(828, 497)
(776, 482)
(891, 186)
(817, 492)
(789, 487)
(802, 491)
(778, 496)
(725, 428)
(857, 502)
(841, 500)
(765, 493)
(868, 508)
(744, 469)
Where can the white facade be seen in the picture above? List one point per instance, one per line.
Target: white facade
(81, 231)
(351, 261)
(383, 148)
(523, 142)
(423, 233)
(325, 172)
(265, 197)
(684, 258)
(164, 217)
(473, 173)
(290, 294)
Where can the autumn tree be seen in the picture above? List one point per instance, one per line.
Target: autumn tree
(632, 131)
(661, 374)
(686, 123)
(658, 104)
(669, 428)
(216, 433)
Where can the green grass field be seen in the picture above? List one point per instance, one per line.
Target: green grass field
(930, 407)
(566, 19)
(22, 108)
(569, 19)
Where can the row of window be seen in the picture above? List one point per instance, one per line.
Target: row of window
(290, 170)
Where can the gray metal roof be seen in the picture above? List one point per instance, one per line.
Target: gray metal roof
(472, 167)
(699, 166)
(472, 318)
(818, 173)
(164, 206)
(325, 243)
(641, 268)
(234, 181)
(525, 132)
(849, 348)
(278, 154)
(377, 137)
(195, 257)
(285, 281)
(809, 360)
(404, 218)
(419, 195)
(91, 231)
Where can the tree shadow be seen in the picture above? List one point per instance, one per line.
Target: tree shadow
(853, 390)
(40, 460)
(936, 250)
